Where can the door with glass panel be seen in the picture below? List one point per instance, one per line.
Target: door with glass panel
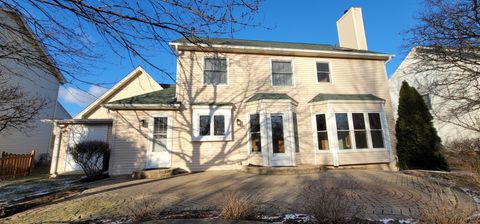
(281, 154)
(158, 154)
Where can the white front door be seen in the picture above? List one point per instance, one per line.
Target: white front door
(158, 154)
(280, 149)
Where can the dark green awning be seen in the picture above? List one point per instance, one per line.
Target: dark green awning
(270, 96)
(346, 97)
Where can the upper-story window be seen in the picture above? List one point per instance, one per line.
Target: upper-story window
(323, 72)
(215, 71)
(282, 74)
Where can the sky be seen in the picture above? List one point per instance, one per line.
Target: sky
(307, 21)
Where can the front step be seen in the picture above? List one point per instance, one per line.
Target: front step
(156, 173)
(294, 170)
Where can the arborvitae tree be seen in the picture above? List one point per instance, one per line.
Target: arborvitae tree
(418, 146)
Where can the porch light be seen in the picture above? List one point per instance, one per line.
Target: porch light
(239, 122)
(144, 123)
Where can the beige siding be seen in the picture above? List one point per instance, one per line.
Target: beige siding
(250, 74)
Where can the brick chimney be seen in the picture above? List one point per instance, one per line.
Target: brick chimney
(351, 33)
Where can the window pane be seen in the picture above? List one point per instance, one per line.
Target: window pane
(254, 123)
(377, 139)
(160, 134)
(344, 141)
(322, 138)
(342, 121)
(323, 77)
(374, 119)
(256, 142)
(215, 64)
(281, 67)
(218, 125)
(361, 139)
(322, 67)
(358, 121)
(204, 125)
(215, 77)
(279, 79)
(321, 123)
(426, 99)
(277, 134)
(215, 71)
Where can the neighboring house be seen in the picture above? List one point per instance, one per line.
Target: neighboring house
(422, 81)
(34, 81)
(240, 102)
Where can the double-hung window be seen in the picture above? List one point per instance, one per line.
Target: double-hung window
(282, 74)
(360, 131)
(255, 136)
(323, 72)
(343, 131)
(212, 124)
(322, 134)
(215, 71)
(376, 130)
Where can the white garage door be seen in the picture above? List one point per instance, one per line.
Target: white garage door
(79, 133)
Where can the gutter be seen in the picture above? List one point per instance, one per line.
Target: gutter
(174, 106)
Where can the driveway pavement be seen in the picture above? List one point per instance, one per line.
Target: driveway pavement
(382, 194)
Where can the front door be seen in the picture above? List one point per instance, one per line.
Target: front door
(281, 154)
(158, 155)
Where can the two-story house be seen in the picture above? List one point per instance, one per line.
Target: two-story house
(246, 102)
(26, 65)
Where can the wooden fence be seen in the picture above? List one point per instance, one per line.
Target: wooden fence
(14, 165)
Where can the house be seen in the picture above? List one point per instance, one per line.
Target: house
(35, 79)
(448, 129)
(245, 102)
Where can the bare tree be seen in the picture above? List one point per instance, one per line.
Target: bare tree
(17, 109)
(75, 33)
(447, 54)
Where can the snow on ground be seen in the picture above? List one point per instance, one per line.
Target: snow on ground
(401, 221)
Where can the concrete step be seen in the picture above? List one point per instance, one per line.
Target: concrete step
(156, 173)
(291, 170)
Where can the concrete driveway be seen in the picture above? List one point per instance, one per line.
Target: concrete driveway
(382, 194)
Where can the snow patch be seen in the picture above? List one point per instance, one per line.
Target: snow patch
(297, 217)
(401, 221)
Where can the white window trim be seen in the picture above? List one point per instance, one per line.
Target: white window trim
(212, 111)
(203, 71)
(293, 71)
(329, 69)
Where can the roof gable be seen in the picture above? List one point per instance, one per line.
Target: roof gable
(135, 83)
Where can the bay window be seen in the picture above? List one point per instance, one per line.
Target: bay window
(360, 131)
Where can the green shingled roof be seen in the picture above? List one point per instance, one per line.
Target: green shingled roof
(164, 96)
(269, 96)
(327, 96)
(270, 44)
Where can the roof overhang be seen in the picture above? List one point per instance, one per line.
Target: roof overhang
(175, 106)
(84, 121)
(177, 46)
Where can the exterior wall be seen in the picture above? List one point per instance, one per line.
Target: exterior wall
(405, 72)
(140, 84)
(34, 81)
(249, 74)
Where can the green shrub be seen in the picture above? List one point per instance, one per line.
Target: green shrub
(418, 145)
(92, 157)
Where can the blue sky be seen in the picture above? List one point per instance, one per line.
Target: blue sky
(307, 21)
